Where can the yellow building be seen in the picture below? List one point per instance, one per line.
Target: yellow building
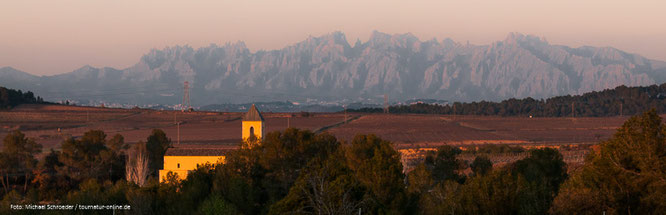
(253, 124)
(184, 158)
(181, 159)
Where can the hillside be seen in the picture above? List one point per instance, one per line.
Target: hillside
(329, 68)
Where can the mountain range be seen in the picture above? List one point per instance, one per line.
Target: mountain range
(330, 69)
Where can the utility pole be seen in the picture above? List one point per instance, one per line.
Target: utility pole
(177, 126)
(88, 115)
(386, 105)
(573, 114)
(621, 109)
(345, 106)
(289, 121)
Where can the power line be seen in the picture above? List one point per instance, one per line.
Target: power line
(69, 92)
(273, 94)
(126, 93)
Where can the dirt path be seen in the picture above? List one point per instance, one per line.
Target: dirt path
(322, 129)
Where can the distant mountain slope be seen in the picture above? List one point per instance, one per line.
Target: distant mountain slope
(328, 68)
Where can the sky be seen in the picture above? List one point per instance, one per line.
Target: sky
(57, 36)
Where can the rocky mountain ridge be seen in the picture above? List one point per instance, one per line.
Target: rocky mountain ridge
(328, 68)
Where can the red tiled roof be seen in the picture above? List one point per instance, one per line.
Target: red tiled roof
(199, 150)
(253, 115)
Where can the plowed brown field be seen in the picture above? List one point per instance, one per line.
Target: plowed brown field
(49, 124)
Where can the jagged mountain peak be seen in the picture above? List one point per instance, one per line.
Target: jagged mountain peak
(337, 36)
(383, 40)
(327, 68)
(334, 38)
(449, 42)
(86, 68)
(238, 45)
(527, 39)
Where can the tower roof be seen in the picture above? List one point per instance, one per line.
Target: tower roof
(253, 115)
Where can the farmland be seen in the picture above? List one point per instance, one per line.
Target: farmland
(50, 124)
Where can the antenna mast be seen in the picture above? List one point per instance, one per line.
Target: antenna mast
(186, 97)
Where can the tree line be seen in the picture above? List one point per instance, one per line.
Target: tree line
(612, 102)
(9, 98)
(300, 172)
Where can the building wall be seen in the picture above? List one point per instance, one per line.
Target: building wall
(258, 129)
(181, 165)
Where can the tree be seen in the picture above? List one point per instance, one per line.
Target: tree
(420, 180)
(376, 165)
(492, 193)
(525, 187)
(10, 98)
(428, 183)
(116, 155)
(542, 171)
(157, 145)
(136, 169)
(50, 184)
(144, 200)
(543, 166)
(4, 97)
(8, 199)
(238, 181)
(216, 204)
(283, 154)
(253, 178)
(7, 167)
(92, 192)
(481, 165)
(18, 157)
(89, 157)
(442, 198)
(626, 175)
(495, 192)
(444, 165)
(324, 187)
(117, 144)
(612, 102)
(195, 188)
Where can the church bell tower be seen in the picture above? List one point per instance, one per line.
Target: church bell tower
(253, 124)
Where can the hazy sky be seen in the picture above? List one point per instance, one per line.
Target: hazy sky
(57, 36)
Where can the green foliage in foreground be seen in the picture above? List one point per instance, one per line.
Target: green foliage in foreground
(521, 188)
(300, 172)
(627, 175)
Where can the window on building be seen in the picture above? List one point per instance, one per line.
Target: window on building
(179, 165)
